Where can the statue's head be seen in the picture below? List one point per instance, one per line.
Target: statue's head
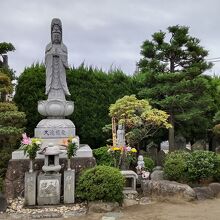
(120, 127)
(140, 158)
(56, 31)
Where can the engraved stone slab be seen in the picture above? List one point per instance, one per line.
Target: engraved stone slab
(69, 186)
(49, 186)
(54, 132)
(55, 128)
(30, 188)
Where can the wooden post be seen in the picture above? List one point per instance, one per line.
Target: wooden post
(114, 138)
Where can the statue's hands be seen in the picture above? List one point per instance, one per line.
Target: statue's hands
(56, 53)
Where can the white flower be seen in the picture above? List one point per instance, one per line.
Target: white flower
(74, 141)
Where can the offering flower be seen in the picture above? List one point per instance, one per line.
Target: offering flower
(26, 140)
(122, 156)
(65, 142)
(30, 147)
(133, 150)
(116, 148)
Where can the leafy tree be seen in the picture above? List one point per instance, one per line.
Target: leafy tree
(5, 86)
(4, 68)
(11, 120)
(6, 47)
(11, 128)
(6, 74)
(171, 68)
(216, 94)
(139, 118)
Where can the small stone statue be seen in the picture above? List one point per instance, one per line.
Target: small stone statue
(121, 136)
(56, 64)
(140, 164)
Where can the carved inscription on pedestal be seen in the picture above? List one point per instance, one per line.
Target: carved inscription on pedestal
(49, 188)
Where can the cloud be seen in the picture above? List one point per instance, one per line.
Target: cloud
(103, 32)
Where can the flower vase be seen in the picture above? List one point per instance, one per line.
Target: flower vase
(68, 164)
(31, 166)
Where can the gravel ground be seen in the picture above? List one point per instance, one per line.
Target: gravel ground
(199, 210)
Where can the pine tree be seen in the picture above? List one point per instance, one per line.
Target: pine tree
(171, 67)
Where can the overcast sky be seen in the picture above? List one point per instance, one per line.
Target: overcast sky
(103, 33)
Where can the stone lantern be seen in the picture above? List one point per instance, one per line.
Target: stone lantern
(49, 182)
(51, 161)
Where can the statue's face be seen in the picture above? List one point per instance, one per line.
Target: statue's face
(56, 34)
(56, 38)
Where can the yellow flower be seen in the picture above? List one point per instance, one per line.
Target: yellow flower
(133, 150)
(36, 141)
(116, 148)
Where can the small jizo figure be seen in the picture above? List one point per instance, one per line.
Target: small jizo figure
(141, 169)
(140, 165)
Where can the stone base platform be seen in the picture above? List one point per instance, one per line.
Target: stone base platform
(14, 180)
(83, 151)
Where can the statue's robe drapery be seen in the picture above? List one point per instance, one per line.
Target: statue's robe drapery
(56, 65)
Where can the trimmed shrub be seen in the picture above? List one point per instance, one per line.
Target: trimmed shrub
(101, 183)
(175, 166)
(102, 156)
(149, 163)
(201, 165)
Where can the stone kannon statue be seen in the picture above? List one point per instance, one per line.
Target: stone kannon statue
(56, 63)
(56, 107)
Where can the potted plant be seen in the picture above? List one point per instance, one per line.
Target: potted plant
(30, 147)
(71, 150)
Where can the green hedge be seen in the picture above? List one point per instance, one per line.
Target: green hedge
(202, 165)
(175, 166)
(92, 91)
(192, 167)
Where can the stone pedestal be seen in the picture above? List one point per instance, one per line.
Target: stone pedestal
(83, 152)
(30, 188)
(69, 186)
(49, 186)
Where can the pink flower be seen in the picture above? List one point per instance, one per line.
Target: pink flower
(128, 149)
(26, 140)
